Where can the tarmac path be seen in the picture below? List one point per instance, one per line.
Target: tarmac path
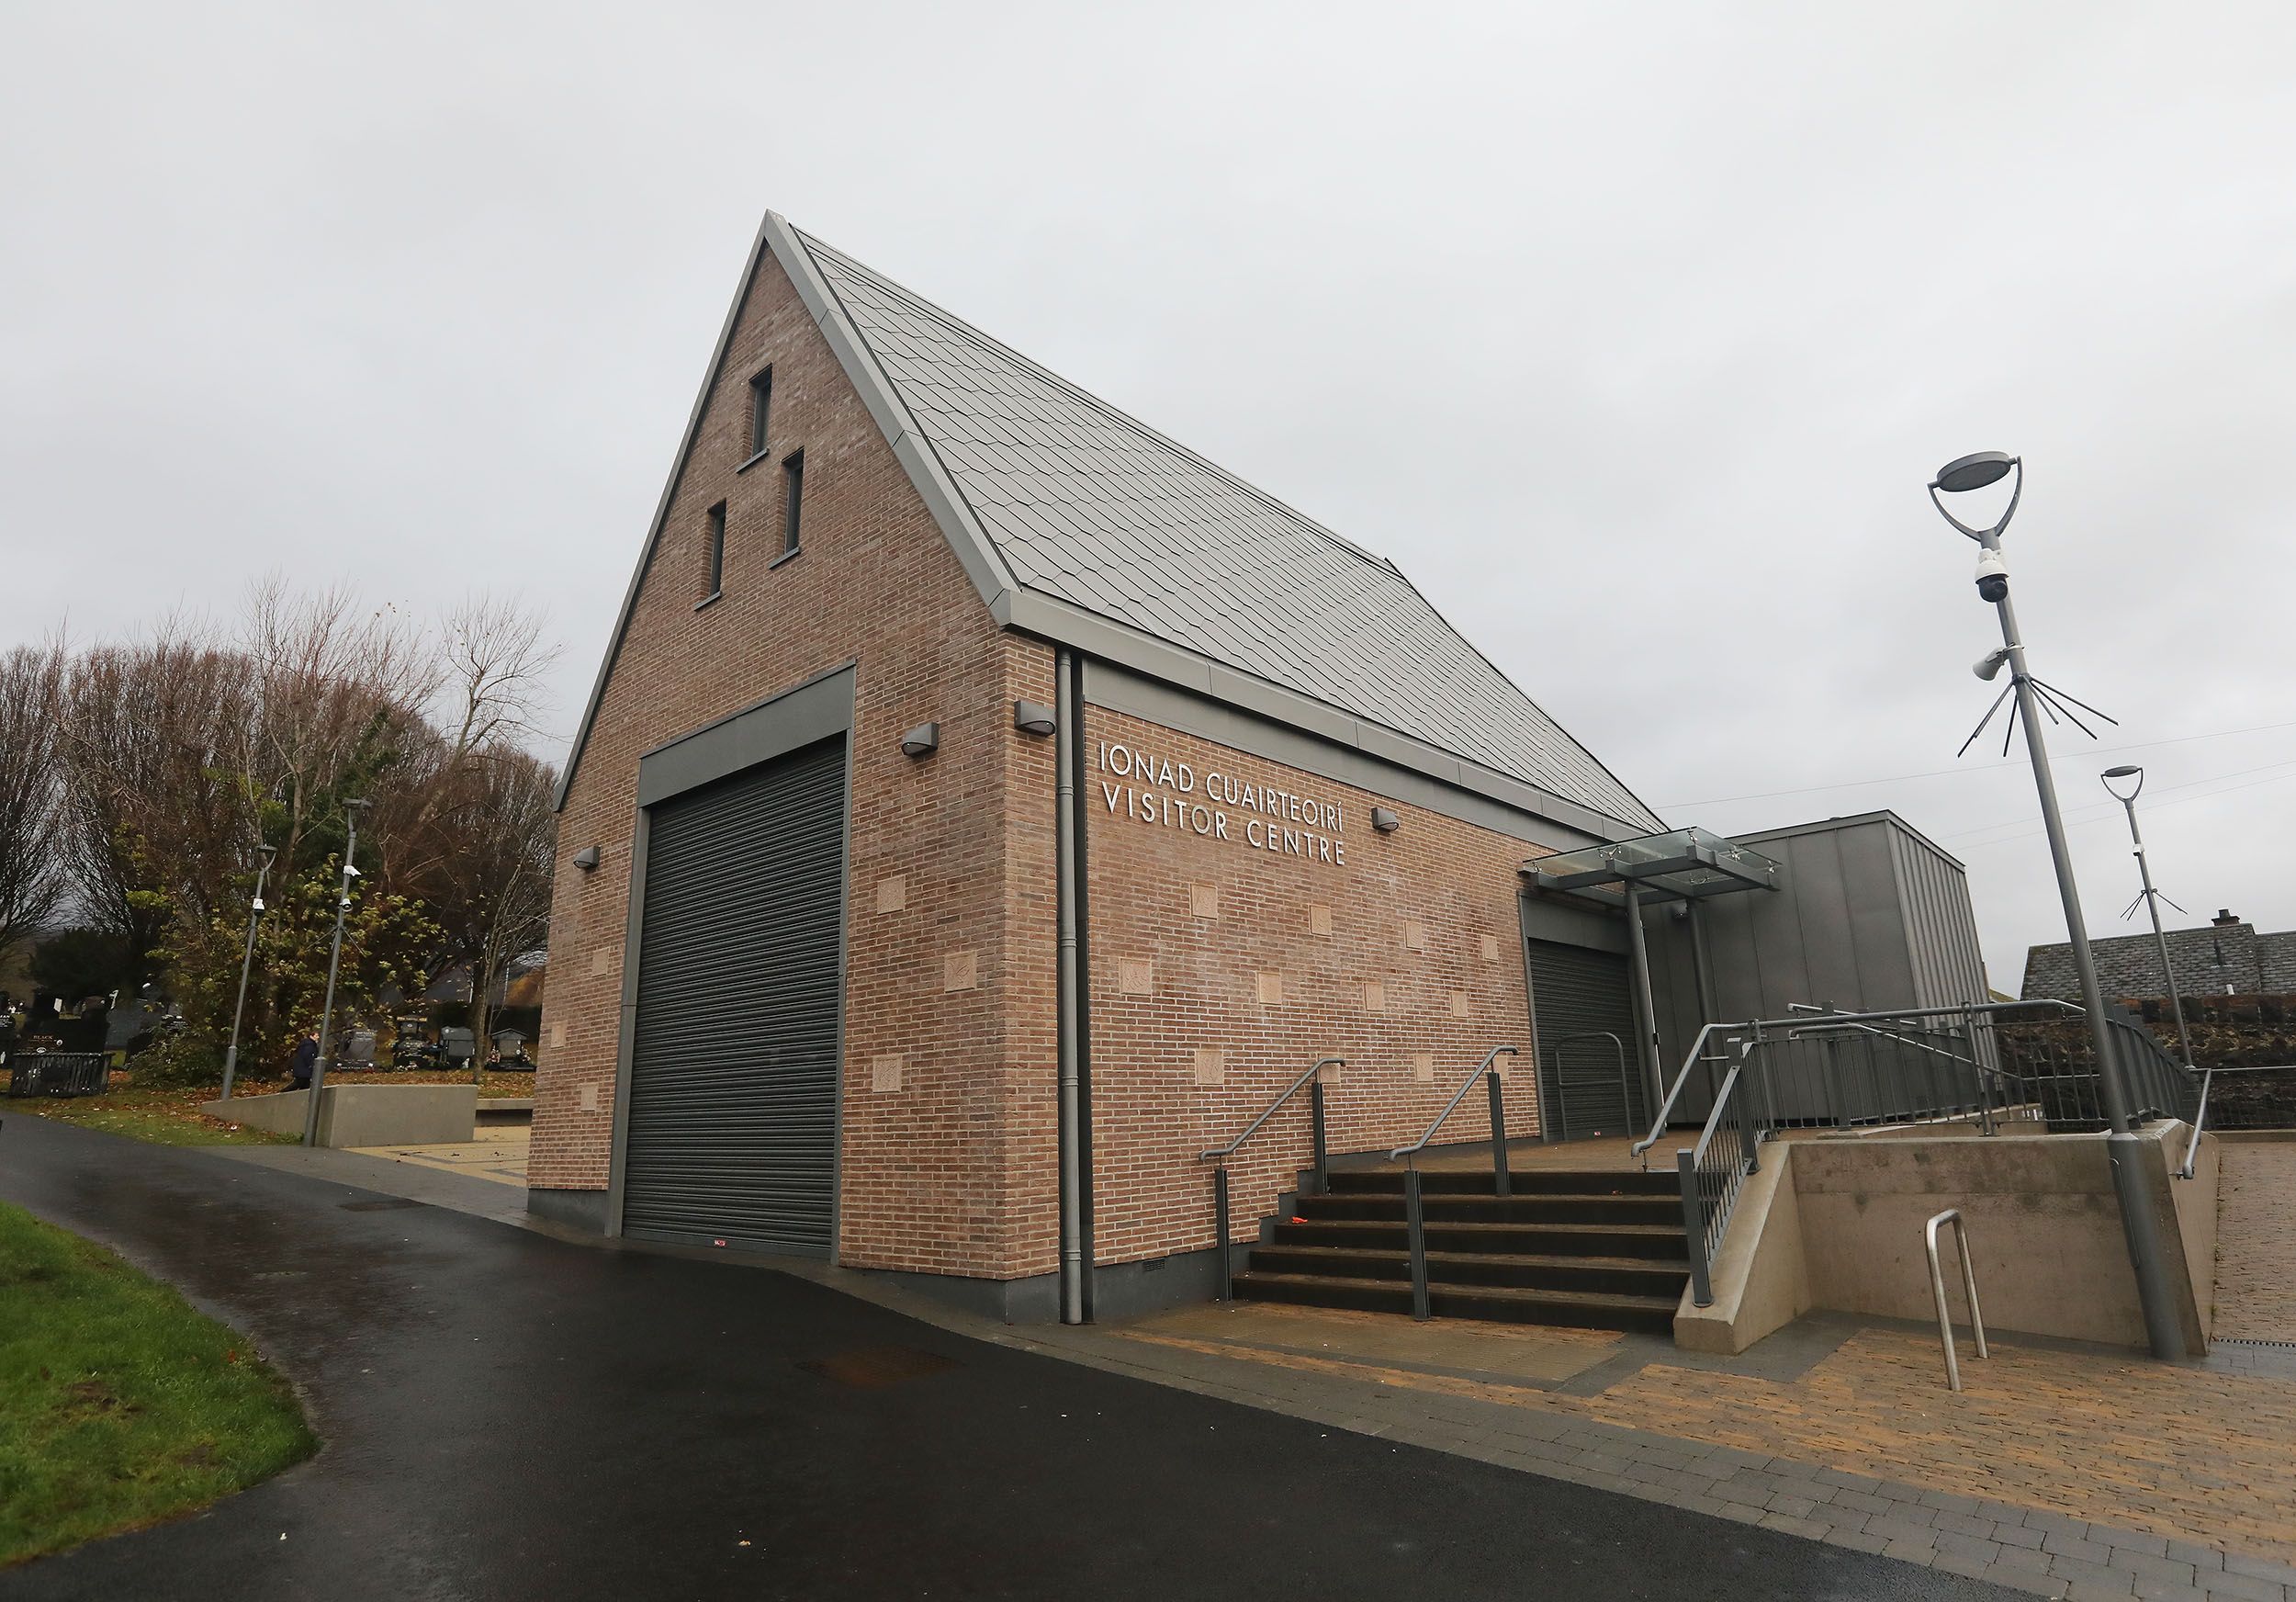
(506, 1415)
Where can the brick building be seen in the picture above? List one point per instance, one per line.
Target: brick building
(2224, 957)
(986, 805)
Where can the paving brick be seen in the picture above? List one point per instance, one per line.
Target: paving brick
(2017, 1579)
(2246, 1588)
(2258, 1568)
(1855, 1540)
(2167, 1591)
(2146, 1566)
(1975, 1524)
(1791, 1526)
(2204, 1558)
(1969, 1546)
(1898, 1530)
(2098, 1577)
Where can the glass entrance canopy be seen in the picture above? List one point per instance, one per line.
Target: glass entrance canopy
(1688, 864)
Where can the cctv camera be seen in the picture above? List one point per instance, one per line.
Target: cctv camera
(1992, 574)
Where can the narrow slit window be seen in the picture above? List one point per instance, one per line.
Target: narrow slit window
(718, 547)
(761, 405)
(793, 500)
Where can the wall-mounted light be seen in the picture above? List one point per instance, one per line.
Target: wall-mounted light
(1384, 820)
(1031, 717)
(586, 859)
(921, 741)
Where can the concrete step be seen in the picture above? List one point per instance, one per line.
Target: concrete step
(1624, 1240)
(1522, 1181)
(1625, 1275)
(1547, 1207)
(1580, 1310)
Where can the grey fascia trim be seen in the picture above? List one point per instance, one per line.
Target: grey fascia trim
(821, 706)
(1828, 825)
(950, 510)
(1033, 613)
(661, 512)
(1559, 923)
(1120, 689)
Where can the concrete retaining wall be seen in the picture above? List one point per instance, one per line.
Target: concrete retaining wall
(1841, 1225)
(355, 1115)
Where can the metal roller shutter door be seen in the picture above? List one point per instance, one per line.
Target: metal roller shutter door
(1575, 992)
(733, 1055)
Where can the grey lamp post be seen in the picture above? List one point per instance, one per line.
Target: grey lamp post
(2140, 1219)
(351, 810)
(2151, 898)
(246, 961)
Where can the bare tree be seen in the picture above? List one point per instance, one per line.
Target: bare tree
(493, 876)
(337, 697)
(142, 734)
(488, 688)
(32, 877)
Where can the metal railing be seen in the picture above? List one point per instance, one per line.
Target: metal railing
(2201, 1112)
(2025, 1062)
(57, 1072)
(1712, 1172)
(1562, 1097)
(1969, 1286)
(1414, 1210)
(1320, 1178)
(1674, 1092)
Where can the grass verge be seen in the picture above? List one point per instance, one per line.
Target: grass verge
(120, 1406)
(168, 1117)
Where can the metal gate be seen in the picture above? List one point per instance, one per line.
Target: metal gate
(732, 1129)
(1583, 1019)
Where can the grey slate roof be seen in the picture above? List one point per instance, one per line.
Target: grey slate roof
(1086, 504)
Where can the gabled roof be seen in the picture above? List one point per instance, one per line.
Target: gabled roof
(1084, 526)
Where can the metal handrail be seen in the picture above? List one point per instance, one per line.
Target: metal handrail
(1253, 1128)
(1322, 1171)
(1625, 1091)
(2200, 1117)
(1452, 1105)
(1666, 1107)
(1414, 1209)
(1830, 1020)
(1969, 1285)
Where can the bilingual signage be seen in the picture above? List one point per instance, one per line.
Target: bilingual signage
(1244, 808)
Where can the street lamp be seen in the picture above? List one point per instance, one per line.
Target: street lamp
(246, 961)
(2151, 898)
(351, 810)
(2139, 1219)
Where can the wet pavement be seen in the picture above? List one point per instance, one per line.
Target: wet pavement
(508, 1415)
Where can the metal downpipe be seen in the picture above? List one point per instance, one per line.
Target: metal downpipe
(1070, 981)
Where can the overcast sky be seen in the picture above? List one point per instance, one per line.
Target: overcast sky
(1631, 332)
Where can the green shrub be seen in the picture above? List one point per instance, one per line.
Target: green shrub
(178, 1061)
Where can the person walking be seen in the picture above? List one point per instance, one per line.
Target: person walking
(305, 1060)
